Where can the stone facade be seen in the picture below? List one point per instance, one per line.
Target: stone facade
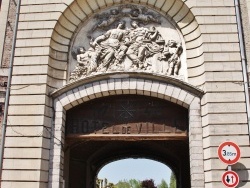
(41, 93)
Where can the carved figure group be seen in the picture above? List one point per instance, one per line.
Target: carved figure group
(109, 51)
(132, 49)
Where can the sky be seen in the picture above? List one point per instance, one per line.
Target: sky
(139, 169)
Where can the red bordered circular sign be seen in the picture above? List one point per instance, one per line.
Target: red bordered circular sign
(229, 152)
(230, 179)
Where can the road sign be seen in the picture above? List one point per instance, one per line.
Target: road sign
(229, 153)
(230, 179)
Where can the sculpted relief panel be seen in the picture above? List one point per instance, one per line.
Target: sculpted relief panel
(127, 38)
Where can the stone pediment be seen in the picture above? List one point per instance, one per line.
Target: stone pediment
(127, 38)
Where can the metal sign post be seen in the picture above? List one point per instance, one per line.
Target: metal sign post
(229, 153)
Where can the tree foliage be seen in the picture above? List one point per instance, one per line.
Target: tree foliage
(135, 183)
(148, 184)
(163, 184)
(172, 181)
(132, 183)
(122, 184)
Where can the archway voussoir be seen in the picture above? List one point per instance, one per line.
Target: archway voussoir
(154, 89)
(167, 5)
(101, 3)
(104, 87)
(68, 106)
(155, 86)
(194, 43)
(132, 85)
(146, 93)
(125, 83)
(64, 100)
(147, 87)
(93, 5)
(83, 93)
(60, 39)
(181, 14)
(78, 11)
(71, 17)
(185, 105)
(72, 98)
(196, 103)
(175, 94)
(140, 86)
(58, 106)
(181, 97)
(190, 28)
(195, 35)
(62, 31)
(151, 2)
(142, 1)
(59, 47)
(90, 91)
(186, 20)
(111, 84)
(67, 24)
(77, 95)
(126, 91)
(188, 99)
(162, 89)
(97, 89)
(195, 62)
(175, 8)
(118, 1)
(168, 92)
(159, 3)
(193, 53)
(132, 91)
(118, 86)
(85, 7)
(109, 2)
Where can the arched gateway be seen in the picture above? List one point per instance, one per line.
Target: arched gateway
(119, 115)
(98, 80)
(128, 67)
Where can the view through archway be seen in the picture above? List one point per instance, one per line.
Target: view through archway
(135, 173)
(109, 129)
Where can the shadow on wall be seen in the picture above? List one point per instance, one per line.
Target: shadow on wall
(242, 171)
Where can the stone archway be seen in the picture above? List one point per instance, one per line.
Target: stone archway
(76, 13)
(114, 127)
(112, 84)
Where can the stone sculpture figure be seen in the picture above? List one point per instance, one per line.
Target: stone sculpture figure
(109, 45)
(136, 51)
(112, 17)
(174, 60)
(145, 44)
(137, 14)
